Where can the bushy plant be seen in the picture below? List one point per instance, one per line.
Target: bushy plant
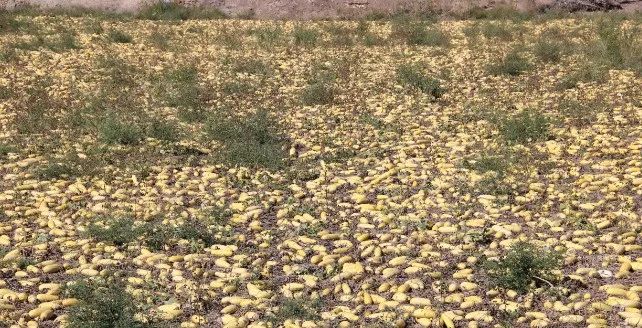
(548, 51)
(512, 64)
(180, 88)
(254, 140)
(526, 126)
(412, 76)
(162, 10)
(115, 231)
(119, 36)
(305, 36)
(102, 304)
(115, 131)
(523, 265)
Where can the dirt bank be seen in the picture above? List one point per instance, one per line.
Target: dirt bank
(305, 9)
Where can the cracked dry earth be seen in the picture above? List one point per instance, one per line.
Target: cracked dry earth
(381, 213)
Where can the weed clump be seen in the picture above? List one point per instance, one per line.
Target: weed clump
(526, 126)
(418, 33)
(587, 72)
(114, 131)
(119, 232)
(174, 11)
(102, 304)
(55, 171)
(118, 36)
(295, 308)
(255, 140)
(617, 46)
(5, 149)
(523, 265)
(305, 36)
(548, 51)
(180, 88)
(512, 64)
(163, 130)
(412, 76)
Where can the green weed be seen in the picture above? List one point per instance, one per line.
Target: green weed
(523, 265)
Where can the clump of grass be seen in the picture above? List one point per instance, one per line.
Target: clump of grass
(198, 232)
(5, 149)
(496, 30)
(55, 171)
(581, 113)
(526, 126)
(617, 46)
(415, 32)
(237, 87)
(159, 40)
(163, 130)
(587, 72)
(295, 308)
(180, 88)
(268, 36)
(172, 11)
(498, 163)
(318, 93)
(250, 66)
(412, 76)
(523, 265)
(114, 131)
(255, 140)
(102, 304)
(305, 36)
(512, 64)
(548, 51)
(119, 36)
(37, 112)
(115, 231)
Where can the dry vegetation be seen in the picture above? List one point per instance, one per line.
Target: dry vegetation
(173, 171)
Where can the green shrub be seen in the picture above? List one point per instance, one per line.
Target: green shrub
(56, 171)
(268, 36)
(526, 126)
(65, 41)
(113, 131)
(496, 30)
(512, 64)
(255, 140)
(305, 36)
(617, 46)
(5, 149)
(102, 304)
(522, 265)
(548, 51)
(37, 112)
(176, 11)
(588, 72)
(490, 163)
(118, 36)
(115, 231)
(415, 32)
(180, 88)
(159, 40)
(250, 66)
(295, 308)
(163, 130)
(318, 93)
(581, 113)
(412, 76)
